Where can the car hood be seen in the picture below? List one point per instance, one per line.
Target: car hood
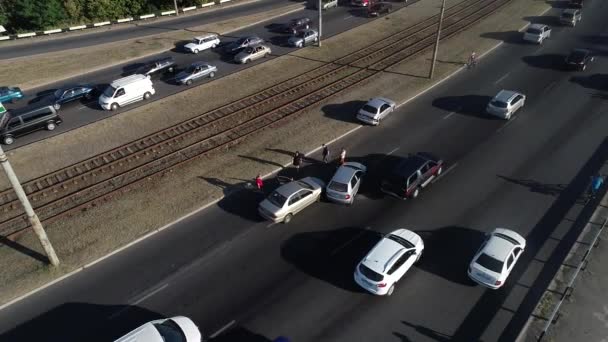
(189, 328)
(146, 332)
(190, 46)
(182, 75)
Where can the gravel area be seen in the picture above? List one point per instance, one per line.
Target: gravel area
(38, 70)
(83, 238)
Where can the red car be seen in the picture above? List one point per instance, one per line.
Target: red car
(411, 174)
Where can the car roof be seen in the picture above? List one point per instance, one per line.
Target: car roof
(409, 165)
(208, 35)
(377, 102)
(500, 247)
(537, 26)
(380, 258)
(505, 95)
(121, 82)
(199, 64)
(344, 174)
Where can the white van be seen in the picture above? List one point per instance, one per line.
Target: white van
(126, 90)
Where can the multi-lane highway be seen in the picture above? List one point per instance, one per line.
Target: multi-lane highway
(225, 268)
(335, 21)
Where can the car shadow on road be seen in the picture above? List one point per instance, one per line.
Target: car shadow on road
(179, 46)
(535, 186)
(509, 37)
(543, 20)
(430, 333)
(330, 256)
(279, 40)
(595, 81)
(546, 61)
(471, 105)
(557, 3)
(239, 334)
(72, 322)
(346, 111)
(448, 251)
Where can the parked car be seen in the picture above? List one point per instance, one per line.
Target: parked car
(242, 43)
(69, 94)
(388, 261)
(570, 16)
(325, 4)
(303, 37)
(10, 94)
(360, 3)
(506, 103)
(157, 67)
(496, 258)
(201, 43)
(252, 53)
(576, 4)
(297, 24)
(345, 183)
(405, 179)
(290, 198)
(18, 122)
(195, 72)
(375, 110)
(380, 8)
(537, 33)
(126, 90)
(579, 58)
(178, 329)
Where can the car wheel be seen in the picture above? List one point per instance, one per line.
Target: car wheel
(114, 106)
(8, 140)
(211, 75)
(195, 51)
(584, 67)
(50, 126)
(391, 290)
(419, 257)
(188, 82)
(439, 171)
(88, 96)
(147, 95)
(56, 106)
(171, 69)
(287, 218)
(416, 193)
(246, 61)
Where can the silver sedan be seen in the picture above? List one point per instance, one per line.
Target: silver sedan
(252, 53)
(289, 199)
(303, 37)
(194, 72)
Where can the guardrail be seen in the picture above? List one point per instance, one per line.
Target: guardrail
(570, 288)
(105, 23)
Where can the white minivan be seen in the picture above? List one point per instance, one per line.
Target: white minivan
(126, 90)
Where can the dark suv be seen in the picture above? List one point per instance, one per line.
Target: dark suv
(411, 174)
(25, 120)
(157, 66)
(298, 24)
(578, 59)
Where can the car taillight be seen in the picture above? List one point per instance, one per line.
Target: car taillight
(381, 285)
(346, 196)
(498, 282)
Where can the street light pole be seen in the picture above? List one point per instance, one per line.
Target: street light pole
(437, 40)
(320, 22)
(29, 211)
(176, 10)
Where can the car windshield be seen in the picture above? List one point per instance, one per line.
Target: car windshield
(577, 56)
(370, 109)
(370, 274)
(490, 263)
(337, 186)
(567, 15)
(240, 41)
(109, 92)
(170, 331)
(58, 93)
(499, 104)
(190, 69)
(401, 241)
(534, 31)
(305, 185)
(300, 34)
(277, 199)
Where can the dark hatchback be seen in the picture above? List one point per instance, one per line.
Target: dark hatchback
(578, 59)
(157, 67)
(409, 175)
(242, 43)
(380, 8)
(298, 24)
(71, 94)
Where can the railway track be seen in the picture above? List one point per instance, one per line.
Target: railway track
(82, 184)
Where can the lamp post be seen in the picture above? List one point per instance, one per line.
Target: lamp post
(320, 22)
(176, 10)
(437, 40)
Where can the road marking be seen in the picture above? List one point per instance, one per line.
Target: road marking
(502, 78)
(350, 16)
(339, 248)
(447, 116)
(507, 124)
(393, 151)
(222, 329)
(449, 169)
(150, 294)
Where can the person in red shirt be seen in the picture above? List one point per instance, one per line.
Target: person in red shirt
(259, 182)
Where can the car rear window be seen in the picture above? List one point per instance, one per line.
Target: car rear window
(277, 199)
(370, 109)
(533, 31)
(370, 274)
(337, 186)
(490, 263)
(508, 238)
(170, 331)
(499, 104)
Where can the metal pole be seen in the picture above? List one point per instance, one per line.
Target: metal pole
(320, 22)
(29, 211)
(437, 40)
(176, 10)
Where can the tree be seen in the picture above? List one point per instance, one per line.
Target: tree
(74, 10)
(37, 14)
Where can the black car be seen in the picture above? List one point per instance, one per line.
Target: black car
(575, 4)
(380, 8)
(578, 59)
(71, 93)
(408, 176)
(25, 120)
(298, 24)
(242, 43)
(157, 66)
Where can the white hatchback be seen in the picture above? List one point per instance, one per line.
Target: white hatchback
(537, 33)
(506, 103)
(201, 43)
(496, 258)
(178, 329)
(388, 261)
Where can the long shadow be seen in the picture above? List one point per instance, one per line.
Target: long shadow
(430, 333)
(459, 243)
(239, 334)
(557, 3)
(346, 111)
(595, 81)
(546, 61)
(471, 105)
(23, 249)
(535, 186)
(279, 40)
(543, 19)
(491, 302)
(77, 322)
(330, 256)
(509, 37)
(262, 161)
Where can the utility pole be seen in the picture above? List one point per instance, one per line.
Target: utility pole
(176, 10)
(437, 40)
(29, 211)
(320, 19)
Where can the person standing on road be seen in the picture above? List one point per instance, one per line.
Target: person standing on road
(472, 60)
(297, 160)
(325, 154)
(342, 156)
(259, 182)
(596, 184)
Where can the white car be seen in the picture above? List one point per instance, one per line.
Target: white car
(496, 258)
(201, 43)
(537, 33)
(388, 261)
(178, 329)
(375, 110)
(345, 183)
(506, 103)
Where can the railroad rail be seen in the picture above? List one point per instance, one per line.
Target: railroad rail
(82, 184)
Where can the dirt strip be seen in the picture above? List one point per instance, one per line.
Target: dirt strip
(95, 232)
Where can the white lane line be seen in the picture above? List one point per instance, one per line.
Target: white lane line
(150, 294)
(341, 247)
(452, 167)
(222, 329)
(502, 78)
(350, 16)
(393, 151)
(449, 114)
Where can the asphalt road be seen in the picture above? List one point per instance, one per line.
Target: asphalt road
(137, 29)
(81, 113)
(225, 268)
